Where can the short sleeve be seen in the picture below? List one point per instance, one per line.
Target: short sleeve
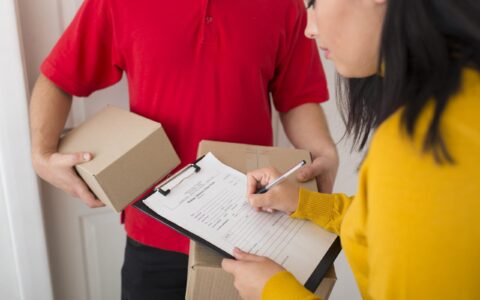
(86, 58)
(299, 76)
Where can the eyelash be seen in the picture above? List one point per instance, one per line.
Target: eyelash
(311, 3)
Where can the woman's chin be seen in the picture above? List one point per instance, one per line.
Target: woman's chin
(353, 72)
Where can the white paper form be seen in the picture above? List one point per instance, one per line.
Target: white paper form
(212, 204)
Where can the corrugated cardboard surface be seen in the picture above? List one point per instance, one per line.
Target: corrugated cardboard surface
(131, 153)
(206, 279)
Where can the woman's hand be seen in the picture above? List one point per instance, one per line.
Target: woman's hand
(282, 197)
(250, 272)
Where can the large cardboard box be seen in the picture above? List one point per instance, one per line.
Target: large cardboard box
(206, 279)
(131, 153)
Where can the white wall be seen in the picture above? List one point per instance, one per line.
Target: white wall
(9, 286)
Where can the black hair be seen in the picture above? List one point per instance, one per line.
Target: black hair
(425, 44)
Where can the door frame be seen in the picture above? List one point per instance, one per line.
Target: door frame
(20, 186)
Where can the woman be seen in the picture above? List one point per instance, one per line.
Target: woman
(412, 231)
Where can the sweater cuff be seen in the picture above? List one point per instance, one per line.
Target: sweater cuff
(315, 207)
(283, 285)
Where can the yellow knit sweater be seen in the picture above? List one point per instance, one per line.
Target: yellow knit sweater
(413, 229)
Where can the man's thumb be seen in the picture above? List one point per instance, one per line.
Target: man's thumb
(77, 158)
(306, 173)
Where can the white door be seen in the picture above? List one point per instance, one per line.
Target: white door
(85, 245)
(24, 271)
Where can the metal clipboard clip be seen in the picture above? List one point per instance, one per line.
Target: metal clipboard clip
(166, 186)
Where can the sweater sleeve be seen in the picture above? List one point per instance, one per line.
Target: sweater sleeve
(283, 285)
(325, 210)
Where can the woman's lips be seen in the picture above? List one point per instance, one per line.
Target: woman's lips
(327, 52)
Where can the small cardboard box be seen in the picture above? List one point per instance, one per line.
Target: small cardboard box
(131, 153)
(206, 279)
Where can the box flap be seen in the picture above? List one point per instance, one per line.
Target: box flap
(202, 256)
(245, 158)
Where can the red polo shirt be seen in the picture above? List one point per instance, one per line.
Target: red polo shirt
(203, 68)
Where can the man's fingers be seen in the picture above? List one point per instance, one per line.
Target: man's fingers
(86, 196)
(95, 204)
(80, 189)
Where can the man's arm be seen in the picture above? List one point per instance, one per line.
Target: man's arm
(306, 127)
(49, 108)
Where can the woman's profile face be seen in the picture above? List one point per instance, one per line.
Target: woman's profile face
(349, 33)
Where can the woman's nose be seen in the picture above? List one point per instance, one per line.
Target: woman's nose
(311, 29)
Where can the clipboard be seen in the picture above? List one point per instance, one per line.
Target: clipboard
(170, 183)
(160, 188)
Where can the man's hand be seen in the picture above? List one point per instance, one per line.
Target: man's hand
(251, 273)
(306, 127)
(324, 168)
(57, 169)
(49, 108)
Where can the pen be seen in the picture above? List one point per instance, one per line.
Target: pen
(281, 178)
